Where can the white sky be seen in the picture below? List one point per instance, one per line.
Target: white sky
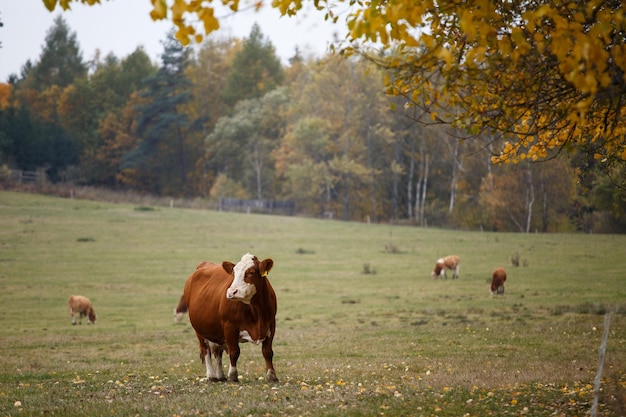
(120, 26)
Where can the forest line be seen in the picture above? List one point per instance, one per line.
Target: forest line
(229, 120)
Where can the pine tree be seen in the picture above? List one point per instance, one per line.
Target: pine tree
(61, 60)
(256, 69)
(163, 154)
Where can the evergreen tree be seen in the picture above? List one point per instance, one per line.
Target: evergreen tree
(163, 154)
(35, 132)
(256, 69)
(61, 61)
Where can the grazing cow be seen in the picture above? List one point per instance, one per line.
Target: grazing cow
(82, 306)
(497, 281)
(449, 262)
(228, 304)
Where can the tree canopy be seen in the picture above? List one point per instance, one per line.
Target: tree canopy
(547, 76)
(325, 137)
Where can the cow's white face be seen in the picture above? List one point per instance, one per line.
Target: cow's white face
(241, 290)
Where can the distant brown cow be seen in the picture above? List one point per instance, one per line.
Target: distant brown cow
(449, 262)
(82, 306)
(497, 281)
(228, 304)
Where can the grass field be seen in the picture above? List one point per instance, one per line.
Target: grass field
(362, 328)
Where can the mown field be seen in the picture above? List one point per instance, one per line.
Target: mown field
(362, 328)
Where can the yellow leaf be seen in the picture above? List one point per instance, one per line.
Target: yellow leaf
(50, 4)
(208, 19)
(178, 8)
(446, 55)
(159, 11)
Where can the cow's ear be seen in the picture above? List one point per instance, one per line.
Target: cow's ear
(265, 266)
(228, 267)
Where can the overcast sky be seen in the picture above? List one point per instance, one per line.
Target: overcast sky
(120, 26)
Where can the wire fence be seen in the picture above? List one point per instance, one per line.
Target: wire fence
(284, 207)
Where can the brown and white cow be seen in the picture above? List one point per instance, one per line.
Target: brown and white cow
(228, 304)
(82, 306)
(450, 262)
(497, 281)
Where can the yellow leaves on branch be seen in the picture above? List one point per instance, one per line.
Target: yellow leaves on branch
(548, 77)
(183, 15)
(193, 18)
(580, 40)
(65, 4)
(389, 22)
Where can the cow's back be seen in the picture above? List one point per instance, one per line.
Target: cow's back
(78, 303)
(205, 291)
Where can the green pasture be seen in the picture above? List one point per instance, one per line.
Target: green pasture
(362, 328)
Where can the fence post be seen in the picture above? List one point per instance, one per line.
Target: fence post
(596, 393)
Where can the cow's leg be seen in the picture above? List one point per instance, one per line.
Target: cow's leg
(233, 375)
(205, 356)
(268, 355)
(232, 345)
(218, 370)
(208, 361)
(210, 370)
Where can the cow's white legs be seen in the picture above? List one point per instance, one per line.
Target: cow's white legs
(214, 372)
(271, 376)
(217, 351)
(233, 376)
(210, 371)
(219, 368)
(208, 362)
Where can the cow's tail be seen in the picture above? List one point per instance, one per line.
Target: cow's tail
(180, 310)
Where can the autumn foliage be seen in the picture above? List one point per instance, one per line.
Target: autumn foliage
(415, 138)
(547, 76)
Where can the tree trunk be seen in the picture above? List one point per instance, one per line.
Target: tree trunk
(257, 166)
(424, 188)
(456, 165)
(346, 198)
(395, 172)
(530, 200)
(409, 186)
(370, 165)
(421, 187)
